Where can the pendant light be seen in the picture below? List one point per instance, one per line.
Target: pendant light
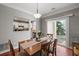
(37, 15)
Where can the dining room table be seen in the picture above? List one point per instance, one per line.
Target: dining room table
(33, 46)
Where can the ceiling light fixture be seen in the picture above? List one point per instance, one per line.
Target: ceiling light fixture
(37, 15)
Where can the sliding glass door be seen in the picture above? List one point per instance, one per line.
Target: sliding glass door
(60, 29)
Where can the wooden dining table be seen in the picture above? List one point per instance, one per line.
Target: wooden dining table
(33, 46)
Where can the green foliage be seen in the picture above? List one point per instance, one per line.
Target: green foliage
(60, 28)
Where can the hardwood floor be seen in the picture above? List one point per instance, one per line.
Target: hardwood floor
(61, 51)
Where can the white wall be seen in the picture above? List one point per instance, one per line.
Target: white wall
(7, 16)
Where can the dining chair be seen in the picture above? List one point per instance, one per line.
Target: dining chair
(50, 36)
(50, 48)
(44, 48)
(75, 49)
(11, 48)
(12, 51)
(33, 34)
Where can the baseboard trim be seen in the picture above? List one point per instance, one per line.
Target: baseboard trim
(5, 51)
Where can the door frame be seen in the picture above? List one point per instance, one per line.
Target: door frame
(67, 27)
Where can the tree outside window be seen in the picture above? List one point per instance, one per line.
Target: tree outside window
(60, 28)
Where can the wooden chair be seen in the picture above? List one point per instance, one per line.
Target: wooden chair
(50, 35)
(12, 51)
(50, 48)
(55, 46)
(53, 51)
(11, 48)
(75, 49)
(33, 35)
(44, 48)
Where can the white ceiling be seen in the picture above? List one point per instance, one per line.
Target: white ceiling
(43, 8)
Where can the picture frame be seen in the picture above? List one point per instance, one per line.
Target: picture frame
(20, 25)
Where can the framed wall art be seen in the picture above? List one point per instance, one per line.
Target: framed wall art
(20, 25)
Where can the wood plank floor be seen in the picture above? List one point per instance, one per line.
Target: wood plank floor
(61, 51)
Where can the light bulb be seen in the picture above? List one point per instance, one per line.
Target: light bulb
(37, 15)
